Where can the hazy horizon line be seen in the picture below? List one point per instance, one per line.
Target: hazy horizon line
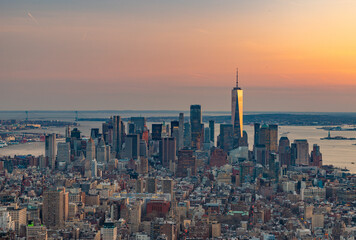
(164, 110)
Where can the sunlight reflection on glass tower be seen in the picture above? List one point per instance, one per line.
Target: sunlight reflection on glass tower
(237, 112)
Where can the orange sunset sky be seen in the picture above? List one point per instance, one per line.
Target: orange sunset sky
(292, 55)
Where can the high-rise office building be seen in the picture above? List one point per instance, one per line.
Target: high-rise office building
(94, 133)
(260, 153)
(218, 158)
(107, 130)
(90, 151)
(143, 166)
(135, 215)
(257, 128)
(6, 223)
(226, 137)
(180, 140)
(206, 135)
(55, 208)
(157, 131)
(187, 165)
(18, 216)
(175, 135)
(273, 136)
(94, 168)
(75, 134)
(139, 123)
(187, 135)
(132, 128)
(212, 131)
(109, 230)
(143, 148)
(67, 133)
(63, 153)
(151, 185)
(237, 112)
(264, 137)
(132, 146)
(284, 151)
(316, 158)
(117, 134)
(139, 185)
(196, 126)
(167, 186)
(246, 172)
(302, 152)
(206, 144)
(293, 154)
(173, 125)
(50, 150)
(274, 166)
(101, 155)
(167, 151)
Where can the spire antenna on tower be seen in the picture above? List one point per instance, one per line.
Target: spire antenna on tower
(237, 77)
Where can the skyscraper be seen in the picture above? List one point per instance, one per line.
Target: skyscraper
(107, 128)
(101, 154)
(284, 151)
(264, 138)
(212, 131)
(260, 153)
(167, 186)
(50, 150)
(218, 157)
(94, 168)
(167, 151)
(174, 124)
(316, 158)
(187, 165)
(195, 124)
(175, 134)
(257, 128)
(151, 185)
(237, 112)
(226, 137)
(139, 123)
(139, 185)
(109, 230)
(55, 206)
(94, 133)
(117, 134)
(302, 152)
(273, 136)
(90, 151)
(180, 140)
(157, 131)
(132, 146)
(63, 153)
(187, 135)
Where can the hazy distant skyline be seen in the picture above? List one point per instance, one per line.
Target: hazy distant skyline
(85, 55)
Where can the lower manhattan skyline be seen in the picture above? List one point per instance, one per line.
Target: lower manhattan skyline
(295, 56)
(178, 120)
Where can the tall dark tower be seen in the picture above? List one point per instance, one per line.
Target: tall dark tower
(196, 125)
(237, 112)
(117, 134)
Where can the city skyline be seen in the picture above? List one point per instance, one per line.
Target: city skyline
(207, 172)
(126, 55)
